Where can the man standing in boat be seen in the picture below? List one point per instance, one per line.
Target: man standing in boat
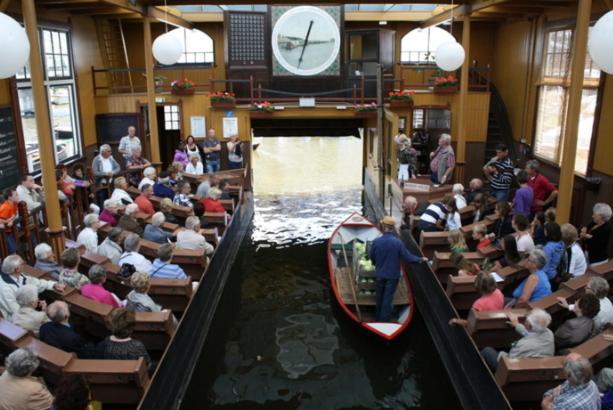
(386, 253)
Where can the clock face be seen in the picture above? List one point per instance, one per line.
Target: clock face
(306, 40)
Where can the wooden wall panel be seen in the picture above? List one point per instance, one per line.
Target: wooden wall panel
(604, 142)
(5, 92)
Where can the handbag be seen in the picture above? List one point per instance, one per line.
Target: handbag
(126, 270)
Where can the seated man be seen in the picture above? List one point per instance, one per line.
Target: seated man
(110, 247)
(131, 245)
(89, 235)
(104, 168)
(27, 317)
(537, 340)
(162, 188)
(162, 266)
(149, 177)
(30, 193)
(475, 187)
(412, 211)
(143, 201)
(96, 291)
(45, 260)
(58, 332)
(128, 221)
(154, 231)
(578, 391)
(191, 238)
(18, 388)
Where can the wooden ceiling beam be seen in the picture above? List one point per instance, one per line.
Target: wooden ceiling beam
(168, 17)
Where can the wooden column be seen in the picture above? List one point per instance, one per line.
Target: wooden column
(461, 137)
(43, 130)
(569, 149)
(154, 138)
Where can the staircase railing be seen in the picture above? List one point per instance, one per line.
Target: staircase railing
(499, 109)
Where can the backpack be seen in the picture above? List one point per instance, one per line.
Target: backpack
(404, 156)
(137, 307)
(126, 270)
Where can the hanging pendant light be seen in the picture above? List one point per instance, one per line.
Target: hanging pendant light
(450, 55)
(14, 45)
(600, 44)
(167, 49)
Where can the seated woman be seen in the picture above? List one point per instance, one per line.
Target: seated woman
(120, 345)
(9, 217)
(596, 235)
(538, 229)
(480, 236)
(576, 264)
(95, 290)
(503, 225)
(457, 244)
(458, 190)
(599, 287)
(45, 260)
(578, 329)
(195, 166)
(211, 202)
(136, 161)
(166, 209)
(28, 317)
(18, 388)
(70, 275)
(72, 393)
(109, 213)
(453, 217)
(149, 177)
(491, 297)
(554, 249)
(183, 197)
(138, 300)
(511, 256)
(120, 195)
(480, 205)
(465, 267)
(521, 225)
(128, 221)
(536, 286)
(154, 231)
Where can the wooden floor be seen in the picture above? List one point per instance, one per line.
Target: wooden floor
(343, 276)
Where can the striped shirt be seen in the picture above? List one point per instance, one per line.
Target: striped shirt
(434, 213)
(504, 177)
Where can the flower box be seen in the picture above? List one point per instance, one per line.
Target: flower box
(223, 104)
(260, 114)
(446, 90)
(401, 103)
(365, 114)
(182, 91)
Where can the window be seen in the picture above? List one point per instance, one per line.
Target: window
(419, 45)
(197, 46)
(171, 117)
(418, 119)
(553, 101)
(61, 97)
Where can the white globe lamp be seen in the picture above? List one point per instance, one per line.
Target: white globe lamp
(167, 49)
(14, 45)
(450, 56)
(600, 43)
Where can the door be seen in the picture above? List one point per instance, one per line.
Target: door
(169, 128)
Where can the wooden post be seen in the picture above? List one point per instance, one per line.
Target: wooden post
(46, 145)
(569, 149)
(154, 139)
(462, 116)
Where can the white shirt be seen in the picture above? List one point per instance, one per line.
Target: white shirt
(139, 261)
(8, 292)
(460, 201)
(188, 239)
(107, 165)
(525, 243)
(605, 315)
(196, 170)
(119, 194)
(144, 181)
(453, 221)
(128, 145)
(89, 238)
(31, 197)
(577, 265)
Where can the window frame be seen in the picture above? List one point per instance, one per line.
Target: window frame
(188, 65)
(430, 62)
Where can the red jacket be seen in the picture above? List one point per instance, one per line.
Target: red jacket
(212, 205)
(144, 204)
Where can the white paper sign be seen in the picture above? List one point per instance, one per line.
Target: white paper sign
(198, 126)
(230, 126)
(496, 277)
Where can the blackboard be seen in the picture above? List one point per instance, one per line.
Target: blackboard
(9, 166)
(111, 127)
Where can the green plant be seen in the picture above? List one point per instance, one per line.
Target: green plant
(182, 84)
(366, 107)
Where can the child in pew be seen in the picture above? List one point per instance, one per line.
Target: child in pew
(491, 297)
(454, 221)
(69, 275)
(457, 244)
(465, 267)
(480, 236)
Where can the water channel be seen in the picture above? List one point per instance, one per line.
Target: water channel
(279, 340)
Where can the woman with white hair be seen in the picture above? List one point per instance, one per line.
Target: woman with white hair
(191, 238)
(211, 203)
(89, 236)
(599, 287)
(458, 194)
(110, 246)
(109, 213)
(27, 317)
(138, 300)
(19, 390)
(131, 245)
(154, 231)
(442, 160)
(596, 234)
(119, 193)
(149, 177)
(135, 162)
(128, 220)
(195, 165)
(45, 260)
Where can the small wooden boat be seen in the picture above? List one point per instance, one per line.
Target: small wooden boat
(353, 282)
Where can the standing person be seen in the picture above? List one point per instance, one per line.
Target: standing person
(180, 154)
(235, 152)
(442, 160)
(191, 148)
(407, 158)
(8, 218)
(596, 235)
(412, 211)
(104, 168)
(545, 193)
(524, 196)
(211, 149)
(129, 143)
(386, 253)
(499, 171)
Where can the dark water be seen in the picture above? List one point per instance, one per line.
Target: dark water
(279, 340)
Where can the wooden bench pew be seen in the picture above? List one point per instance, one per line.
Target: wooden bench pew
(52, 359)
(217, 220)
(431, 242)
(193, 262)
(442, 266)
(467, 214)
(491, 328)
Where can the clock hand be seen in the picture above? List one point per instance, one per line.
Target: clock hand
(306, 41)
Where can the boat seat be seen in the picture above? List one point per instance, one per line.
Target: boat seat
(343, 277)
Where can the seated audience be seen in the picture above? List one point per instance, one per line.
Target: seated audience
(162, 267)
(191, 238)
(596, 235)
(522, 202)
(180, 154)
(457, 190)
(479, 202)
(131, 256)
(128, 221)
(59, 333)
(536, 286)
(544, 191)
(434, 216)
(554, 249)
(19, 390)
(162, 188)
(120, 345)
(203, 187)
(211, 202)
(12, 279)
(166, 209)
(511, 256)
(45, 260)
(578, 391)
(149, 177)
(120, 194)
(457, 244)
(104, 168)
(538, 229)
(537, 340)
(69, 274)
(138, 300)
(578, 329)
(9, 218)
(88, 237)
(491, 297)
(183, 196)
(480, 236)
(195, 166)
(30, 193)
(109, 213)
(135, 161)
(110, 246)
(143, 200)
(154, 231)
(175, 174)
(27, 317)
(465, 267)
(503, 224)
(499, 171)
(412, 210)
(72, 393)
(576, 265)
(475, 187)
(453, 217)
(599, 287)
(521, 226)
(223, 187)
(95, 290)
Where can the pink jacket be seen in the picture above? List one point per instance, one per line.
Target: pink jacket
(98, 293)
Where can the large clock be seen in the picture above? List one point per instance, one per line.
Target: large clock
(306, 41)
